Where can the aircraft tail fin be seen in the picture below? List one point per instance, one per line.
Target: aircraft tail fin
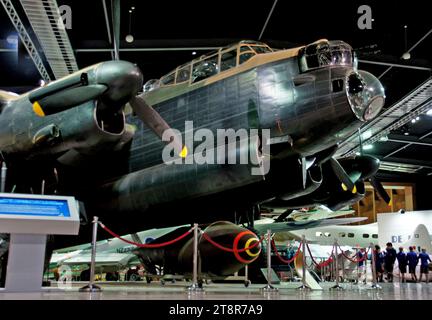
(420, 239)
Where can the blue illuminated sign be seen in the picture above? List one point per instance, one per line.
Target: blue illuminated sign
(34, 207)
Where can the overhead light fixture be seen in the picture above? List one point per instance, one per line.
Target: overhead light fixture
(358, 153)
(417, 118)
(406, 55)
(193, 53)
(384, 138)
(429, 112)
(406, 133)
(368, 147)
(413, 121)
(366, 135)
(129, 38)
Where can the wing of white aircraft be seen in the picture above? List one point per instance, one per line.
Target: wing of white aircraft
(318, 214)
(105, 259)
(113, 243)
(298, 225)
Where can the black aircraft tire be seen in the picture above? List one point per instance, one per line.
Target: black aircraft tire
(134, 277)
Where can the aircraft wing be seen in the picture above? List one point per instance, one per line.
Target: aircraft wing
(295, 225)
(105, 259)
(113, 244)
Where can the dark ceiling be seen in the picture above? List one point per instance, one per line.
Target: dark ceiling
(192, 24)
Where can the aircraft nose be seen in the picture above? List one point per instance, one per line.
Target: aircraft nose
(122, 78)
(365, 94)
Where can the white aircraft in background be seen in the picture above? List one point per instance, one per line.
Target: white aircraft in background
(360, 236)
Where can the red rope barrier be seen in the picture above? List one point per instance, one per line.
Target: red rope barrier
(351, 259)
(141, 245)
(322, 264)
(221, 247)
(282, 259)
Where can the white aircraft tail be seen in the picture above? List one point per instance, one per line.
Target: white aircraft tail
(420, 238)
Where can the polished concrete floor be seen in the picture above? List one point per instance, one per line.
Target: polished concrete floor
(178, 291)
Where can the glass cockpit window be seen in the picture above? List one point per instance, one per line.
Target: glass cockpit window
(245, 57)
(228, 60)
(245, 48)
(183, 74)
(204, 69)
(325, 53)
(261, 49)
(151, 85)
(168, 79)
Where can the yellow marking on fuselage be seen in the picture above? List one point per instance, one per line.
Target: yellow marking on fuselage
(184, 152)
(38, 109)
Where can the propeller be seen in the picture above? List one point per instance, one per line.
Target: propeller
(379, 188)
(156, 123)
(371, 164)
(344, 178)
(150, 117)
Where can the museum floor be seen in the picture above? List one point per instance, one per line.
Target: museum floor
(287, 291)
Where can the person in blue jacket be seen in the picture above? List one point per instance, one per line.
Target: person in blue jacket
(379, 263)
(412, 263)
(402, 263)
(424, 264)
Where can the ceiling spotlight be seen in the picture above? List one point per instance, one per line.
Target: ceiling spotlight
(193, 53)
(132, 8)
(130, 11)
(418, 118)
(368, 147)
(406, 56)
(406, 133)
(413, 120)
(129, 38)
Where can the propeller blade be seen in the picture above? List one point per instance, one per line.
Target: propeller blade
(156, 123)
(343, 177)
(379, 188)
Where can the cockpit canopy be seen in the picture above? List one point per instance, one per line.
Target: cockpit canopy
(325, 53)
(210, 64)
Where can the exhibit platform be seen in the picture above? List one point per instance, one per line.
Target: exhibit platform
(178, 291)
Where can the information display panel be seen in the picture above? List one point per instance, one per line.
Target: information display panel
(38, 214)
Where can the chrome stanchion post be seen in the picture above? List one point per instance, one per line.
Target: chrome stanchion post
(373, 267)
(357, 264)
(269, 287)
(304, 285)
(246, 277)
(365, 266)
(91, 287)
(196, 286)
(337, 286)
(3, 174)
